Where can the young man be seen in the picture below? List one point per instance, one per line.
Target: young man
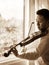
(43, 48)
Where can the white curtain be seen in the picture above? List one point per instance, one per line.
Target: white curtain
(39, 4)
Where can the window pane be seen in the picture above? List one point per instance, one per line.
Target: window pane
(11, 23)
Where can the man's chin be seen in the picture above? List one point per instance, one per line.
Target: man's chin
(43, 30)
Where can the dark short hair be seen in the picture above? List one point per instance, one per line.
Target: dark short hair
(44, 13)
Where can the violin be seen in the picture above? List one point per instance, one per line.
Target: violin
(27, 40)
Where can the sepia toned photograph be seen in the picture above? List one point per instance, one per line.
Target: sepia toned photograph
(24, 32)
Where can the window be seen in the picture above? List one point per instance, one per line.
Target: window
(11, 23)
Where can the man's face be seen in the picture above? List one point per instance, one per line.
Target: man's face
(41, 22)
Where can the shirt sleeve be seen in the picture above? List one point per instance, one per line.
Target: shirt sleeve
(29, 55)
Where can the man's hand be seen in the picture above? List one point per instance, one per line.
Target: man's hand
(14, 50)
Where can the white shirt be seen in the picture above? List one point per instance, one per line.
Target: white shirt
(42, 51)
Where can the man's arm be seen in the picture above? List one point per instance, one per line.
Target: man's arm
(28, 55)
